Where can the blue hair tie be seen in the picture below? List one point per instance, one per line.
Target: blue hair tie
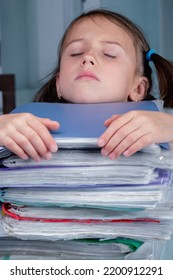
(149, 54)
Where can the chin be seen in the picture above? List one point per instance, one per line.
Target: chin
(84, 99)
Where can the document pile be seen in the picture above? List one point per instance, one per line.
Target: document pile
(81, 205)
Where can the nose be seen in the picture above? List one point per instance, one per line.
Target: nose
(88, 60)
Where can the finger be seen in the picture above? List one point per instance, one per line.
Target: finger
(45, 138)
(26, 144)
(32, 143)
(125, 132)
(15, 148)
(142, 142)
(50, 124)
(131, 141)
(26, 133)
(113, 128)
(111, 119)
(22, 135)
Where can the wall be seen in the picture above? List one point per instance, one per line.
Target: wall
(146, 14)
(154, 17)
(167, 23)
(14, 43)
(31, 30)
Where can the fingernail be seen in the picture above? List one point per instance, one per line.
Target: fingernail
(104, 152)
(48, 156)
(126, 153)
(25, 157)
(38, 159)
(54, 148)
(101, 142)
(112, 156)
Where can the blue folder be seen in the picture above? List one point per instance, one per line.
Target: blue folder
(82, 121)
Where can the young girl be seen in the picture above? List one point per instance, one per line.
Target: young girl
(103, 57)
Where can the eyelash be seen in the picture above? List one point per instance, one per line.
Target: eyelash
(108, 55)
(76, 54)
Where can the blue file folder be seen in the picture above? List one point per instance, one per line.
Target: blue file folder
(84, 122)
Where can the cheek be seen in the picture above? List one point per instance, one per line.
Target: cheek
(64, 85)
(66, 63)
(66, 73)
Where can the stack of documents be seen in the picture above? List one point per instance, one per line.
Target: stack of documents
(81, 205)
(25, 247)
(109, 185)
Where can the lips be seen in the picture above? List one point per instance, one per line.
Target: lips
(87, 75)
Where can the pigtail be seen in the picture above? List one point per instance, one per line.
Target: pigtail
(164, 70)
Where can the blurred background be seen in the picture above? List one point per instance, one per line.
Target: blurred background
(30, 31)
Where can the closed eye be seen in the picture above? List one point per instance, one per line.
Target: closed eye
(109, 55)
(76, 54)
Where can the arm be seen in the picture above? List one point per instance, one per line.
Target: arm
(129, 133)
(27, 135)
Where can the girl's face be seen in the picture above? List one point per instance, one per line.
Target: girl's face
(98, 64)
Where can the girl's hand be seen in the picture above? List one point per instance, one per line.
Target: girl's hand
(129, 133)
(27, 135)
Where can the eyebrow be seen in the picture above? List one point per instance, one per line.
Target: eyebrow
(104, 42)
(113, 43)
(74, 41)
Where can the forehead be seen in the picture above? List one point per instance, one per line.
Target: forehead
(98, 27)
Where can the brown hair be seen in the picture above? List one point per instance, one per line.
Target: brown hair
(164, 68)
